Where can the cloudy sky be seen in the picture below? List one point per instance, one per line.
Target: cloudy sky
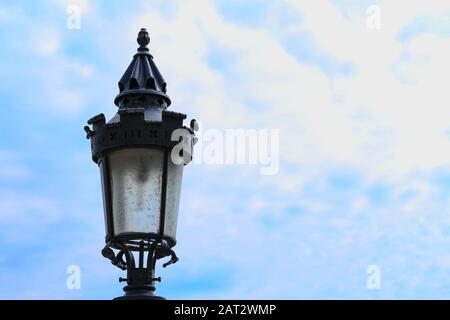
(362, 109)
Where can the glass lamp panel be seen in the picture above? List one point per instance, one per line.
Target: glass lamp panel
(136, 179)
(103, 179)
(174, 178)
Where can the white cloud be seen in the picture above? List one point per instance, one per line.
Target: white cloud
(380, 124)
(68, 101)
(405, 125)
(46, 40)
(86, 6)
(25, 209)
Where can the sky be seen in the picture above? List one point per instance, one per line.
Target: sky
(357, 91)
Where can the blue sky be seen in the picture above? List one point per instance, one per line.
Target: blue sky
(363, 118)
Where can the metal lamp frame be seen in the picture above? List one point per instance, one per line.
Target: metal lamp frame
(133, 131)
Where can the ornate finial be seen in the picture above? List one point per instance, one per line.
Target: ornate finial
(143, 39)
(142, 84)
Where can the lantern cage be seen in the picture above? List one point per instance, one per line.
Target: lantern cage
(141, 153)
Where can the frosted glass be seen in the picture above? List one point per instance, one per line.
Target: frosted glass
(136, 179)
(174, 178)
(102, 179)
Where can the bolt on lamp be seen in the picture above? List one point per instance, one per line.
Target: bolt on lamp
(141, 152)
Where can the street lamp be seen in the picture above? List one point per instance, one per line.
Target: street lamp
(141, 152)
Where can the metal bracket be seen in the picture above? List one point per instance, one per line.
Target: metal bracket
(164, 250)
(117, 261)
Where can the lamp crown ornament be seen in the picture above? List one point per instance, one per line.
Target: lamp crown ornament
(141, 176)
(143, 40)
(142, 84)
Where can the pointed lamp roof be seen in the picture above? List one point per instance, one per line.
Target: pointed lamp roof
(142, 84)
